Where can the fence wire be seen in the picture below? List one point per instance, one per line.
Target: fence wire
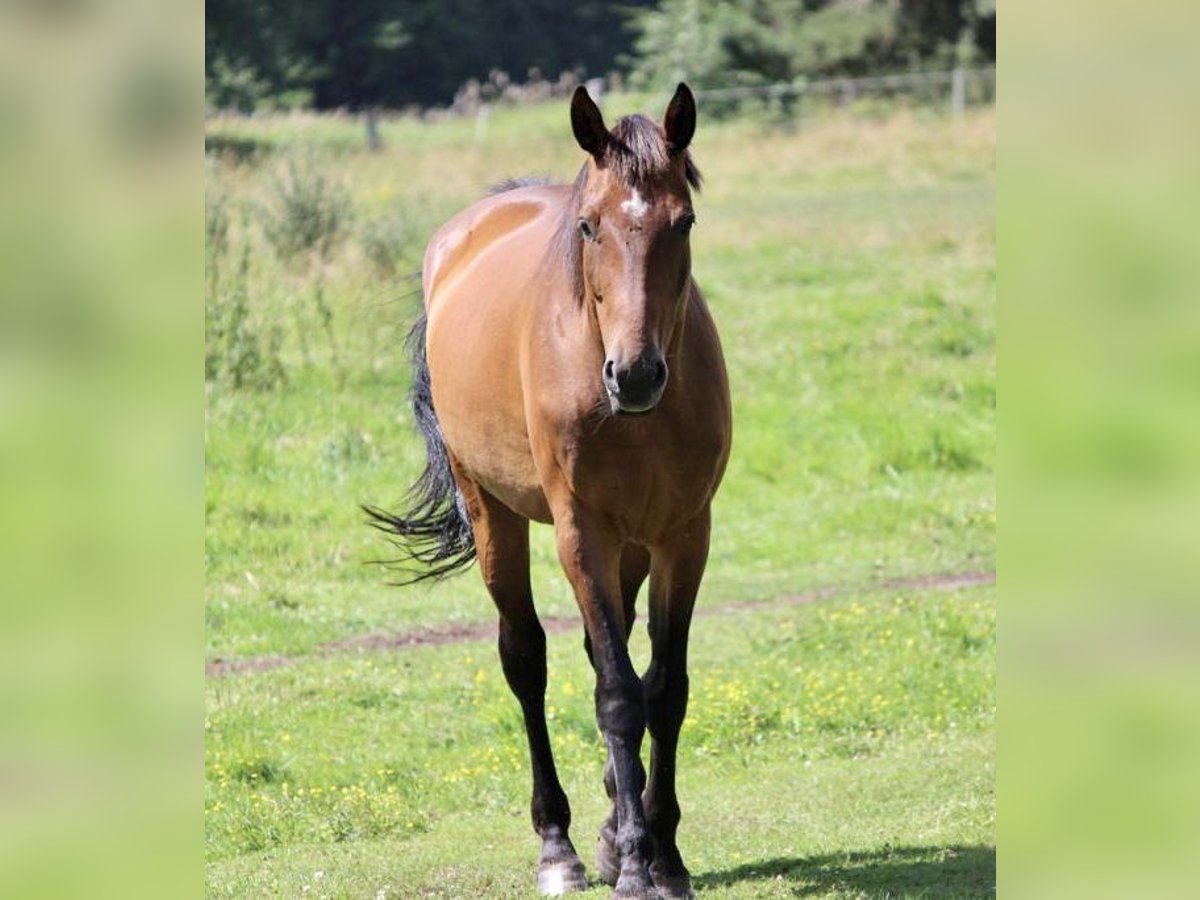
(959, 87)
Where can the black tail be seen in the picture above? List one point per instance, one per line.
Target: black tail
(435, 537)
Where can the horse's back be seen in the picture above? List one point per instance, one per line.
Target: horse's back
(489, 238)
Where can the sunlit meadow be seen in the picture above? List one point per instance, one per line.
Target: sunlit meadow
(837, 747)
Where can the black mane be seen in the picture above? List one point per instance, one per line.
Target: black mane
(511, 184)
(637, 151)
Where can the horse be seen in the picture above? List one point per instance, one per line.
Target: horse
(567, 371)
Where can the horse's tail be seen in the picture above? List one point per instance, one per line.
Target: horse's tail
(435, 534)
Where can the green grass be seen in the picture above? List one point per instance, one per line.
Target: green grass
(846, 735)
(840, 749)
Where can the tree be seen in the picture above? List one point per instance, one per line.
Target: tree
(732, 42)
(356, 53)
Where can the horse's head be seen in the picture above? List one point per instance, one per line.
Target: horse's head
(633, 217)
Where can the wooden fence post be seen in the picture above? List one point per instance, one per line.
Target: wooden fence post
(373, 142)
(482, 117)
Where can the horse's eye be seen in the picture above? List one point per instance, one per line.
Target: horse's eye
(587, 229)
(685, 223)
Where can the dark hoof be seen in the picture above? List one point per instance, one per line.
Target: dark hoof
(673, 882)
(635, 889)
(563, 877)
(675, 888)
(608, 861)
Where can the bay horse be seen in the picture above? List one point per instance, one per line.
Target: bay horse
(567, 371)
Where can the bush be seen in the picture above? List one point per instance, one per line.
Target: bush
(216, 226)
(386, 240)
(238, 353)
(307, 213)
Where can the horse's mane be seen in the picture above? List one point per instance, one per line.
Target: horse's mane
(511, 184)
(637, 152)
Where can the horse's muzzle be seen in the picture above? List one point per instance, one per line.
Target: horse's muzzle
(635, 388)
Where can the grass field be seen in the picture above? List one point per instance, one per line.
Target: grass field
(841, 747)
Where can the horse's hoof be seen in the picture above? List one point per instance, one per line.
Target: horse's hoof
(608, 861)
(675, 888)
(636, 891)
(558, 878)
(676, 885)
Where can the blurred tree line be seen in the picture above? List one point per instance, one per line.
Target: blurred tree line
(355, 54)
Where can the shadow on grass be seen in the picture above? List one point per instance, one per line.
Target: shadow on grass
(890, 872)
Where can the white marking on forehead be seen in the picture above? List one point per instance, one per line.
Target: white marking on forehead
(635, 205)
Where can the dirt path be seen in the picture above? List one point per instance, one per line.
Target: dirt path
(463, 633)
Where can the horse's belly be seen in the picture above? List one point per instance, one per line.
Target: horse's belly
(477, 396)
(499, 461)
(480, 272)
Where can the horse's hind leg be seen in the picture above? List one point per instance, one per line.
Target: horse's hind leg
(502, 544)
(674, 581)
(635, 565)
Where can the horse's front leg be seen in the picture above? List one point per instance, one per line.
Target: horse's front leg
(591, 557)
(502, 545)
(676, 569)
(635, 565)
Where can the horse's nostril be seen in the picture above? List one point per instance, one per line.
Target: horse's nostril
(608, 370)
(660, 372)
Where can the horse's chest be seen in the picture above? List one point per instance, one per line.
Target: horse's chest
(646, 488)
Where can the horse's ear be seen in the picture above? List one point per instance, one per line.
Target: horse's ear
(588, 123)
(680, 121)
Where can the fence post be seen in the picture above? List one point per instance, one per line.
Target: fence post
(958, 91)
(482, 116)
(373, 142)
(849, 91)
